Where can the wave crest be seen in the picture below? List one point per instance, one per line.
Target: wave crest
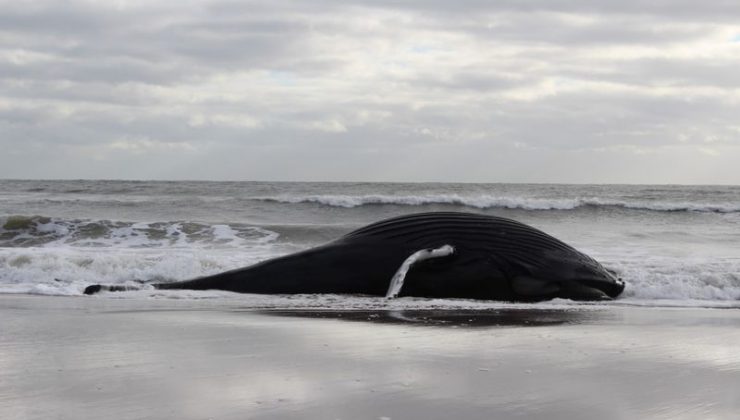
(41, 231)
(493, 201)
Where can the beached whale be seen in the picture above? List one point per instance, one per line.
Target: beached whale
(441, 254)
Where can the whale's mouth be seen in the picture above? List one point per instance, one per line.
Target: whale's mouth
(586, 289)
(611, 288)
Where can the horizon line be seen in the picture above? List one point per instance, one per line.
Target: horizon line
(361, 182)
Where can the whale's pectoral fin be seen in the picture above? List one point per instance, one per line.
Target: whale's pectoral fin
(397, 281)
(531, 286)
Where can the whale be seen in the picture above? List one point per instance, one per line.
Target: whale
(428, 255)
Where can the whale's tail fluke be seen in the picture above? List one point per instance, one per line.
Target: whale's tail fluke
(96, 288)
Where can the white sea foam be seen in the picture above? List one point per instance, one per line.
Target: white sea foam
(484, 201)
(652, 277)
(67, 271)
(651, 281)
(21, 231)
(41, 255)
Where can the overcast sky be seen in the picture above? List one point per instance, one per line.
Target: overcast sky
(466, 90)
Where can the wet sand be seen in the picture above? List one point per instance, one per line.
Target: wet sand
(102, 358)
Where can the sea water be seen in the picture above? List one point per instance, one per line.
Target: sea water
(673, 245)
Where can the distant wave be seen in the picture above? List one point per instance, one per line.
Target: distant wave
(492, 201)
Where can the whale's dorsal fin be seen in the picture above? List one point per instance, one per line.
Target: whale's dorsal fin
(397, 281)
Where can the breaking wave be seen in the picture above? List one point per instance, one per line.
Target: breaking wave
(494, 201)
(40, 231)
(57, 256)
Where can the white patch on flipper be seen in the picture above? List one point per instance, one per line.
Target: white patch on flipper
(397, 281)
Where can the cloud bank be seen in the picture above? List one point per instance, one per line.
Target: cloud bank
(519, 91)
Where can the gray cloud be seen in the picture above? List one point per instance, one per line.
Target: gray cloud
(676, 10)
(330, 90)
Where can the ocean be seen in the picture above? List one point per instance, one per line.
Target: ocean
(673, 245)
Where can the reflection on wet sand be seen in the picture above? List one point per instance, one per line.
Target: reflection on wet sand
(71, 358)
(457, 318)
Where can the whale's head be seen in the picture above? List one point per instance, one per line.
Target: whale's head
(591, 281)
(568, 276)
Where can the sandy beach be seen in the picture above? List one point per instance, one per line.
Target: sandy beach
(78, 358)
